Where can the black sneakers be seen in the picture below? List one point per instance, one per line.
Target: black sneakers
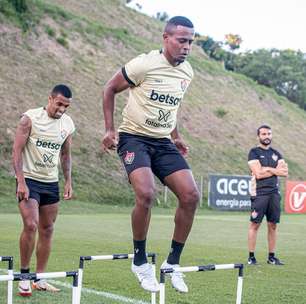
(274, 261)
(252, 261)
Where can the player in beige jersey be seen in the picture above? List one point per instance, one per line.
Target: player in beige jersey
(43, 137)
(149, 141)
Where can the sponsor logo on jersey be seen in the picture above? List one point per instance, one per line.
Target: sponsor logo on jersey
(163, 115)
(129, 157)
(163, 98)
(63, 134)
(47, 144)
(48, 158)
(184, 84)
(157, 124)
(274, 157)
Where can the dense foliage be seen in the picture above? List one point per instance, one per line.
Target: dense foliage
(282, 70)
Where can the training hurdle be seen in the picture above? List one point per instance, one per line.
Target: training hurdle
(45, 275)
(164, 272)
(112, 257)
(9, 259)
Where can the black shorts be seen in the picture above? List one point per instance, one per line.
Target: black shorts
(160, 154)
(43, 193)
(266, 205)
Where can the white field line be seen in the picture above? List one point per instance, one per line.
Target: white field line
(104, 294)
(101, 293)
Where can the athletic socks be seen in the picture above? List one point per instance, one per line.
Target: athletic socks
(24, 270)
(140, 256)
(175, 252)
(27, 270)
(251, 254)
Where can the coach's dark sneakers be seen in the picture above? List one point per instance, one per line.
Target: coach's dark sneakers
(274, 261)
(252, 261)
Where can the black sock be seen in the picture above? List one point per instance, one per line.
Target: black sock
(24, 270)
(140, 252)
(175, 252)
(251, 254)
(271, 254)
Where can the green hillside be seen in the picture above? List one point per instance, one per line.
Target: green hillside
(82, 43)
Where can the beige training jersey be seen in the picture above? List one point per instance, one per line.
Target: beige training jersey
(155, 96)
(41, 153)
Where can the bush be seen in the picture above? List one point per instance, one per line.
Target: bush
(220, 112)
(50, 31)
(61, 40)
(19, 5)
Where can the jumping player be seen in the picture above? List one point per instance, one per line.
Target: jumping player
(150, 143)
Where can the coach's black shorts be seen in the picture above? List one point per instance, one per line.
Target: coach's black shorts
(268, 205)
(160, 154)
(43, 193)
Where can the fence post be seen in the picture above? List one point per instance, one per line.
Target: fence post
(201, 191)
(166, 195)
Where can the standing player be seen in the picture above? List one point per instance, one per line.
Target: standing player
(43, 137)
(266, 165)
(150, 143)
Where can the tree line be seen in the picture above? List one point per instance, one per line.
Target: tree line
(282, 70)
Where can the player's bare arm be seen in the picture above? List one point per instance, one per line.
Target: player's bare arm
(66, 163)
(115, 85)
(21, 138)
(179, 142)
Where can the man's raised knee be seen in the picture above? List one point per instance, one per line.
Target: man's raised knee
(190, 199)
(146, 198)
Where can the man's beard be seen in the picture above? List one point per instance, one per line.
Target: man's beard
(266, 142)
(179, 61)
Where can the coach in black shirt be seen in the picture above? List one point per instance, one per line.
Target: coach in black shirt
(266, 165)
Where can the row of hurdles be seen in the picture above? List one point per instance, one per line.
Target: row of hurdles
(77, 276)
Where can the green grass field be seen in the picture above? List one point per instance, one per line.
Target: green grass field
(217, 238)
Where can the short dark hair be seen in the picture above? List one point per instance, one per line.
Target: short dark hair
(263, 127)
(178, 20)
(63, 90)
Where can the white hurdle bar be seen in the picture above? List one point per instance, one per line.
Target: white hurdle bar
(45, 275)
(9, 259)
(164, 272)
(111, 257)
